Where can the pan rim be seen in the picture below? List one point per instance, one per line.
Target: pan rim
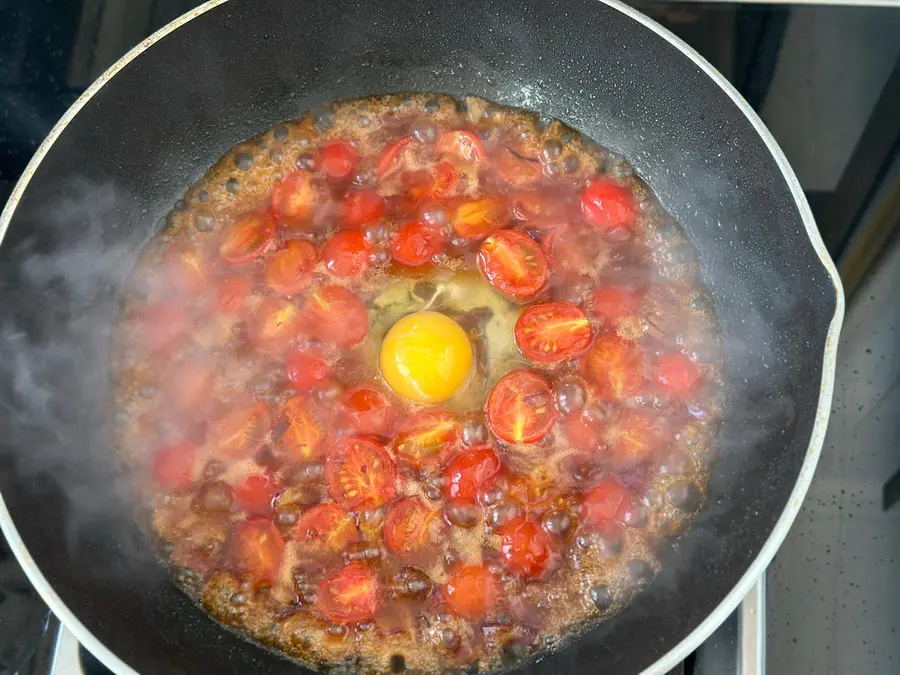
(730, 602)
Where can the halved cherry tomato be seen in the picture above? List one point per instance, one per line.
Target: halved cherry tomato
(477, 219)
(585, 433)
(276, 323)
(614, 302)
(338, 159)
(335, 315)
(242, 432)
(346, 254)
(361, 207)
(608, 206)
(184, 269)
(425, 438)
(307, 369)
(553, 332)
(360, 473)
(412, 529)
(255, 547)
(463, 144)
(247, 238)
(634, 436)
(603, 502)
(162, 326)
(446, 178)
(232, 294)
(416, 244)
(536, 489)
(350, 594)
(368, 411)
(471, 590)
(289, 270)
(468, 471)
(327, 525)
(189, 385)
(254, 494)
(294, 197)
(520, 407)
(614, 368)
(525, 548)
(302, 438)
(389, 159)
(513, 264)
(173, 465)
(515, 170)
(678, 374)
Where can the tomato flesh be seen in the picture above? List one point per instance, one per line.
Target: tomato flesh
(338, 159)
(255, 493)
(276, 324)
(634, 437)
(470, 470)
(335, 315)
(678, 374)
(389, 159)
(327, 525)
(603, 502)
(416, 244)
(256, 548)
(307, 369)
(368, 411)
(173, 465)
(614, 368)
(515, 170)
(478, 218)
(608, 206)
(247, 238)
(346, 254)
(242, 432)
(289, 270)
(361, 207)
(360, 473)
(520, 407)
(185, 269)
(349, 595)
(463, 144)
(614, 302)
(553, 332)
(412, 529)
(513, 263)
(525, 548)
(293, 198)
(471, 591)
(425, 438)
(232, 294)
(302, 437)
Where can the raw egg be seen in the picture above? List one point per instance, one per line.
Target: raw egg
(426, 357)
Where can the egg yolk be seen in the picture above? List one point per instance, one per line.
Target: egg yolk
(426, 357)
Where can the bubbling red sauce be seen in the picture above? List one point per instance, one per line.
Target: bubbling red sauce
(412, 382)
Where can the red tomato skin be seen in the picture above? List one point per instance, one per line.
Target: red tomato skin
(368, 411)
(471, 591)
(468, 471)
(525, 548)
(173, 465)
(255, 547)
(463, 144)
(603, 502)
(336, 316)
(255, 493)
(615, 302)
(678, 374)
(346, 254)
(517, 388)
(564, 327)
(361, 490)
(361, 207)
(307, 369)
(416, 244)
(290, 270)
(608, 206)
(514, 264)
(349, 595)
(388, 160)
(338, 159)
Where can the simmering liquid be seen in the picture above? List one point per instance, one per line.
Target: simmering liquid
(417, 383)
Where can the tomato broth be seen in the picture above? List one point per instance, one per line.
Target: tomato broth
(418, 383)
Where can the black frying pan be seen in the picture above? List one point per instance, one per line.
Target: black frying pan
(149, 128)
